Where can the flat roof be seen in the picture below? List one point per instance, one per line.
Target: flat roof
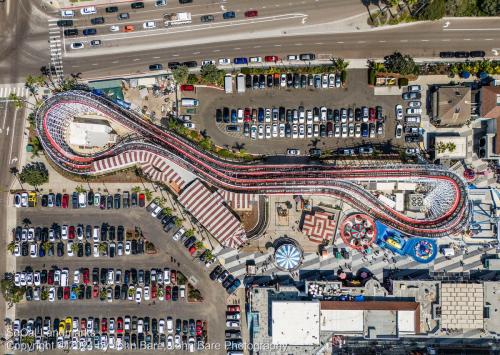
(342, 320)
(462, 306)
(459, 151)
(295, 322)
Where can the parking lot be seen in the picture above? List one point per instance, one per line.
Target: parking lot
(170, 254)
(355, 94)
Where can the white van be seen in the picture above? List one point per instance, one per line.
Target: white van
(64, 278)
(182, 291)
(412, 119)
(189, 102)
(82, 200)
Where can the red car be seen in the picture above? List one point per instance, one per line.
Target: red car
(247, 117)
(71, 232)
(65, 200)
(142, 200)
(95, 292)
(187, 87)
(192, 250)
(104, 325)
(251, 13)
(50, 277)
(66, 293)
(173, 277)
(372, 114)
(153, 291)
(199, 328)
(168, 293)
(119, 325)
(271, 58)
(86, 276)
(234, 308)
(83, 325)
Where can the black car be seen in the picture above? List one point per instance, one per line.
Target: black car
(95, 275)
(124, 292)
(97, 21)
(173, 65)
(255, 82)
(225, 115)
(111, 233)
(413, 138)
(111, 9)
(45, 200)
(262, 81)
(154, 67)
(88, 249)
(446, 54)
(322, 130)
(90, 198)
(112, 249)
(207, 18)
(303, 81)
(123, 16)
(216, 272)
(65, 23)
(60, 291)
(185, 1)
(74, 200)
(270, 81)
(379, 113)
(89, 32)
(190, 241)
(307, 56)
(133, 199)
(72, 32)
(218, 115)
(104, 276)
(60, 249)
(248, 81)
(296, 80)
(80, 250)
(109, 202)
(88, 292)
(137, 5)
(126, 199)
(175, 293)
(477, 54)
(461, 54)
(117, 292)
(120, 233)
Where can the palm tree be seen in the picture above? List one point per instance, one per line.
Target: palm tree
(11, 247)
(199, 245)
(80, 189)
(454, 70)
(26, 221)
(378, 67)
(148, 194)
(46, 246)
(18, 101)
(178, 222)
(44, 294)
(339, 64)
(136, 189)
(103, 247)
(74, 248)
(168, 211)
(15, 171)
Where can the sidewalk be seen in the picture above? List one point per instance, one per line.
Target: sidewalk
(75, 4)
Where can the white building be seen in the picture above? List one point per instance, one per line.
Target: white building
(90, 133)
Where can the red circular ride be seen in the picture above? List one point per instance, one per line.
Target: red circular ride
(358, 231)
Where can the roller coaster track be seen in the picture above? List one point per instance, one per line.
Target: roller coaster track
(259, 178)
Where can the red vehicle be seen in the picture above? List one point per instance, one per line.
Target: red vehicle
(192, 250)
(173, 277)
(66, 293)
(95, 292)
(71, 232)
(153, 291)
(168, 293)
(198, 328)
(50, 277)
(65, 200)
(187, 87)
(86, 276)
(251, 13)
(83, 325)
(247, 117)
(271, 58)
(234, 308)
(119, 325)
(142, 200)
(372, 114)
(104, 325)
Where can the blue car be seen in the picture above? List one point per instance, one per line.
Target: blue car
(228, 15)
(234, 118)
(261, 115)
(364, 130)
(233, 286)
(240, 61)
(89, 32)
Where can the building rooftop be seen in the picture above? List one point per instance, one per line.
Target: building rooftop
(452, 106)
(490, 102)
(462, 306)
(295, 322)
(90, 133)
(454, 147)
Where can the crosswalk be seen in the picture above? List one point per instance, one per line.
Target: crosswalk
(235, 262)
(20, 91)
(56, 47)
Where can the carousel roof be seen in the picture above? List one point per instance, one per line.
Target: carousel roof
(288, 256)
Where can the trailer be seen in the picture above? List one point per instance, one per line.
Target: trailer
(228, 83)
(177, 18)
(240, 83)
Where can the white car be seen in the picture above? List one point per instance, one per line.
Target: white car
(260, 131)
(324, 81)
(111, 326)
(170, 342)
(95, 234)
(292, 57)
(190, 125)
(292, 151)
(126, 323)
(275, 130)
(282, 130)
(148, 25)
(283, 80)
(17, 250)
(224, 61)
(138, 295)
(89, 10)
(295, 131)
(344, 131)
(77, 45)
(31, 234)
(268, 131)
(413, 111)
(114, 28)
(207, 61)
(24, 199)
(255, 59)
(323, 113)
(331, 80)
(34, 250)
(415, 104)
(170, 325)
(161, 326)
(76, 276)
(253, 132)
(52, 294)
(146, 293)
(67, 13)
(399, 130)
(178, 234)
(156, 211)
(414, 88)
(96, 250)
(128, 247)
(64, 232)
(301, 131)
(351, 130)
(399, 112)
(36, 278)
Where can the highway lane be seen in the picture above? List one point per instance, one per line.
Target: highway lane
(421, 40)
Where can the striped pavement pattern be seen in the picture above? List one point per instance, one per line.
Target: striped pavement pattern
(153, 165)
(235, 262)
(239, 201)
(56, 47)
(209, 209)
(20, 91)
(319, 226)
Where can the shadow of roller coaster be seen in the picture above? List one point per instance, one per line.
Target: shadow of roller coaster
(55, 114)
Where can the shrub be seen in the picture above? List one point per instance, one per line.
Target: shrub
(433, 11)
(371, 77)
(343, 76)
(402, 82)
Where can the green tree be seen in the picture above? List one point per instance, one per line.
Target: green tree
(46, 246)
(36, 146)
(11, 293)
(11, 247)
(168, 211)
(18, 101)
(180, 74)
(189, 233)
(489, 7)
(148, 194)
(136, 189)
(199, 245)
(178, 222)
(103, 247)
(192, 79)
(74, 247)
(44, 295)
(211, 74)
(399, 63)
(34, 175)
(434, 10)
(80, 189)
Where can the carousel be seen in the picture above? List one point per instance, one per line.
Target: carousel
(287, 256)
(358, 231)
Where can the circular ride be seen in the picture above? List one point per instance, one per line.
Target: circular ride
(287, 256)
(358, 231)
